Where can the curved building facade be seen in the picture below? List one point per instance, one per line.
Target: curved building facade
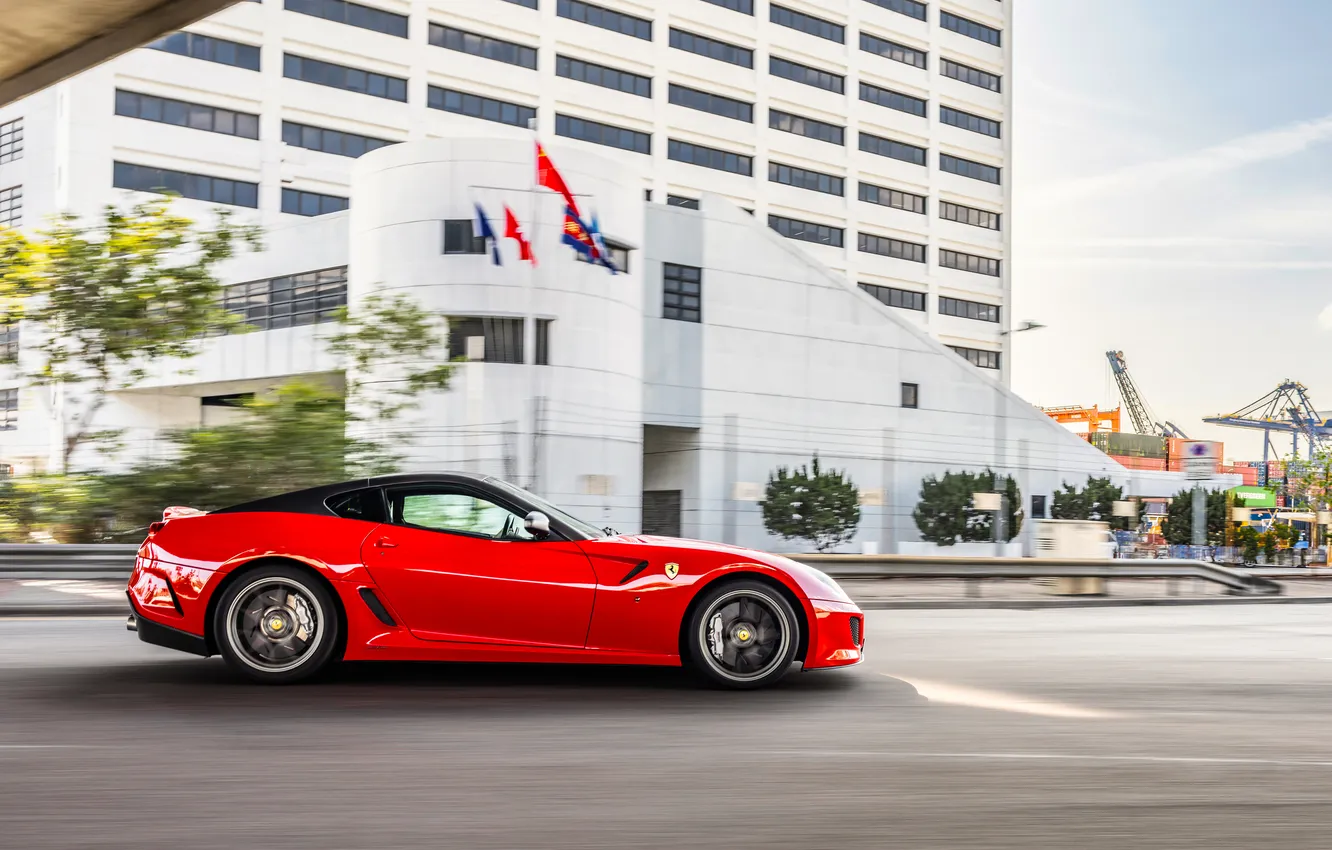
(555, 349)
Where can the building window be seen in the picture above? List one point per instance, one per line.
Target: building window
(607, 19)
(803, 178)
(300, 202)
(543, 342)
(603, 134)
(1038, 507)
(910, 8)
(808, 127)
(892, 50)
(284, 302)
(744, 7)
(681, 201)
(736, 163)
(184, 114)
(9, 411)
(978, 357)
(209, 49)
(969, 215)
(893, 150)
(892, 100)
(712, 48)
(601, 75)
(968, 309)
(342, 77)
(968, 263)
(353, 14)
(335, 142)
(911, 395)
(682, 292)
(968, 168)
(11, 206)
(967, 121)
(785, 17)
(199, 187)
(887, 247)
(458, 238)
(969, 28)
(895, 198)
(9, 342)
(970, 75)
(11, 140)
(726, 107)
(483, 46)
(779, 67)
(904, 299)
(503, 338)
(647, 195)
(619, 256)
(531, 4)
(807, 231)
(476, 106)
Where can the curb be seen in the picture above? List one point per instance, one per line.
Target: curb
(1031, 604)
(67, 612)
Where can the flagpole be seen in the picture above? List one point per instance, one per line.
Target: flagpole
(529, 321)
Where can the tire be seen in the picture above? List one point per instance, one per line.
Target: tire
(277, 624)
(742, 634)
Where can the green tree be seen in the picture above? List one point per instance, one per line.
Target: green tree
(1177, 526)
(811, 504)
(1095, 501)
(114, 296)
(1248, 538)
(945, 514)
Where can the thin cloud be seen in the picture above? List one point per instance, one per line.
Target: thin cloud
(1276, 143)
(1180, 263)
(1325, 318)
(1211, 242)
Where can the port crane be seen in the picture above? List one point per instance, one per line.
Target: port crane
(1285, 410)
(1143, 420)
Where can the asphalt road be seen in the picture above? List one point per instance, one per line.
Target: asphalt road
(1110, 728)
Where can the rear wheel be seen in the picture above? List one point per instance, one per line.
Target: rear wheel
(743, 634)
(276, 624)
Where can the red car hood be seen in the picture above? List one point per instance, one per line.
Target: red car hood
(815, 583)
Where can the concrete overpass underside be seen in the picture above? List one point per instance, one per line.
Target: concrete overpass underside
(45, 41)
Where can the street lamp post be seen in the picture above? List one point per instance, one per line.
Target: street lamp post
(1000, 438)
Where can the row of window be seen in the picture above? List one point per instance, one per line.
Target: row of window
(11, 140)
(11, 206)
(884, 246)
(9, 342)
(9, 402)
(288, 301)
(502, 339)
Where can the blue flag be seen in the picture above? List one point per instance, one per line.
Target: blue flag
(594, 230)
(487, 233)
(576, 236)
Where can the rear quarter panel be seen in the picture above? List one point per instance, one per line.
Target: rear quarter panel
(195, 554)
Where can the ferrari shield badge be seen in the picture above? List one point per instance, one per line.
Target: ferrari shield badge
(672, 570)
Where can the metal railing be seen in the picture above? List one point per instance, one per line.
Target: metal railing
(1235, 581)
(113, 562)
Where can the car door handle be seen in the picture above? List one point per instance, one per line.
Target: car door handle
(384, 543)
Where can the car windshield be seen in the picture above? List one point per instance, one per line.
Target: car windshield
(550, 510)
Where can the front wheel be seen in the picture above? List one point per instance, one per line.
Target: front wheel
(743, 634)
(276, 624)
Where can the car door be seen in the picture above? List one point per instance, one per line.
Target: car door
(458, 566)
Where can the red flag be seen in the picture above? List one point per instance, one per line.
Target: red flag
(513, 231)
(549, 177)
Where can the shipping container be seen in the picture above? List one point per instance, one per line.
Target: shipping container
(1128, 462)
(1129, 445)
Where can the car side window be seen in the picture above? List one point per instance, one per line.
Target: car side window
(456, 512)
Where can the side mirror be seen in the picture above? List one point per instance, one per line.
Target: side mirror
(537, 524)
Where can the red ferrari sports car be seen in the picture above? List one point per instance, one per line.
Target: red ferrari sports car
(460, 567)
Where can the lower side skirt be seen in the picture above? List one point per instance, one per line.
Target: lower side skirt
(160, 635)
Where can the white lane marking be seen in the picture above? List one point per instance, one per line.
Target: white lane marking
(50, 747)
(96, 590)
(1052, 757)
(947, 694)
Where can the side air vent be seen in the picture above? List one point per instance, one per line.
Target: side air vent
(376, 607)
(855, 632)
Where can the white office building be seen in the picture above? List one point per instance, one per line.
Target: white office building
(807, 202)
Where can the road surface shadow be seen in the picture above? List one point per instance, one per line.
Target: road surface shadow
(204, 685)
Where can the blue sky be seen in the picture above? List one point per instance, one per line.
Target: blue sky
(1173, 199)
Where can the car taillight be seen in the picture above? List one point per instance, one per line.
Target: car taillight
(154, 527)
